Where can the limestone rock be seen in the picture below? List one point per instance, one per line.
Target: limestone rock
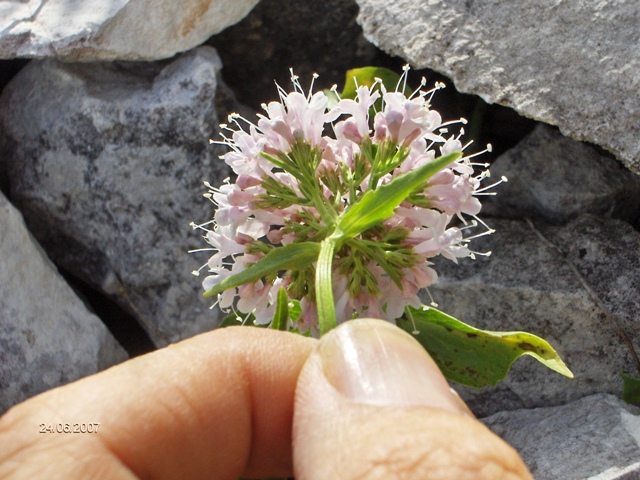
(571, 64)
(87, 30)
(106, 161)
(606, 253)
(556, 178)
(47, 336)
(597, 437)
(310, 37)
(528, 285)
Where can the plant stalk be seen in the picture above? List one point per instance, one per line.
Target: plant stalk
(324, 287)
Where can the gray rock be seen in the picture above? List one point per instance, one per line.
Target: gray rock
(527, 285)
(556, 178)
(310, 37)
(597, 438)
(94, 30)
(606, 253)
(571, 64)
(107, 161)
(47, 336)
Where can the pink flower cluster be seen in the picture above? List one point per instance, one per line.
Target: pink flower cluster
(303, 164)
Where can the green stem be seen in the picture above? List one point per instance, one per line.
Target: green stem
(327, 213)
(324, 290)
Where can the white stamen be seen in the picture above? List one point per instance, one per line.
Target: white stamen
(472, 255)
(433, 302)
(478, 235)
(195, 226)
(454, 122)
(313, 79)
(474, 164)
(334, 89)
(473, 224)
(216, 303)
(413, 322)
(203, 250)
(481, 222)
(503, 179)
(403, 78)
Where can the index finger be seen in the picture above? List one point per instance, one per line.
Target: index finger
(219, 405)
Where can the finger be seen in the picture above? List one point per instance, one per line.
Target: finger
(371, 404)
(219, 405)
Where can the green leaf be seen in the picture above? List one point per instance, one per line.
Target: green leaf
(366, 76)
(379, 204)
(281, 317)
(295, 256)
(630, 389)
(475, 357)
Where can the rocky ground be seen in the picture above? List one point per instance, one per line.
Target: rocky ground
(104, 147)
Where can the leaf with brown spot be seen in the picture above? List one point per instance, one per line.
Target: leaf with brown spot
(474, 357)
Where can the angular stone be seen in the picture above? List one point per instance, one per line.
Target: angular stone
(310, 37)
(606, 253)
(597, 438)
(106, 161)
(47, 335)
(526, 284)
(94, 30)
(559, 62)
(556, 178)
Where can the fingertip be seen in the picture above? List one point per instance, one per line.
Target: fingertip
(370, 404)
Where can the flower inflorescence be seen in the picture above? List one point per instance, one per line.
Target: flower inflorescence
(304, 164)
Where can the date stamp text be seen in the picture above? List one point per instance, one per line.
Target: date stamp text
(63, 427)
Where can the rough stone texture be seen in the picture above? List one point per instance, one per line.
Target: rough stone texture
(595, 438)
(47, 336)
(571, 64)
(606, 253)
(324, 37)
(555, 178)
(86, 30)
(321, 37)
(106, 161)
(526, 284)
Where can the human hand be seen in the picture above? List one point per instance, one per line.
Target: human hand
(364, 402)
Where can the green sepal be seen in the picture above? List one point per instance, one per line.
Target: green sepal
(295, 256)
(281, 316)
(630, 389)
(379, 204)
(473, 357)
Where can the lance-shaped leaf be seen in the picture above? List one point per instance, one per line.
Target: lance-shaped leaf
(295, 256)
(475, 357)
(379, 204)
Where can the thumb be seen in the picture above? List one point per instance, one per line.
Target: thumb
(371, 404)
